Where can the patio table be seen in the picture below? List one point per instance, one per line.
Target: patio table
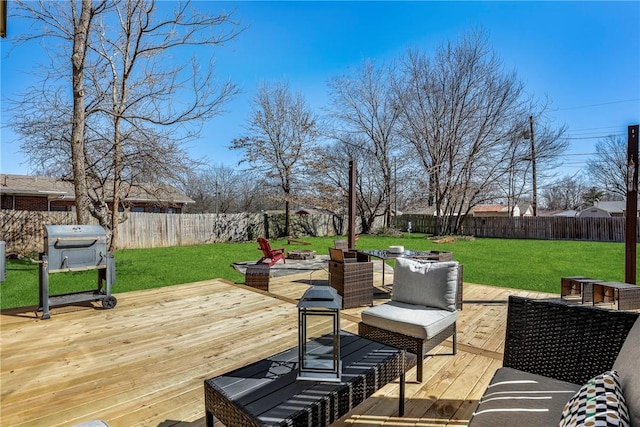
(267, 393)
(385, 254)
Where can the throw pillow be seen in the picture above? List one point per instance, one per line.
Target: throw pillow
(432, 284)
(598, 403)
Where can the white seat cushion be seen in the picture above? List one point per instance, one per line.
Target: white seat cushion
(433, 284)
(409, 319)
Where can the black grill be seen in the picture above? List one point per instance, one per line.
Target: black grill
(76, 248)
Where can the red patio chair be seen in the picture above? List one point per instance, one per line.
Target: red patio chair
(271, 254)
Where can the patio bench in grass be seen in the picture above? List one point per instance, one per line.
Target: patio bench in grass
(565, 363)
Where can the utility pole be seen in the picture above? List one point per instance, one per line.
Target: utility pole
(534, 198)
(3, 18)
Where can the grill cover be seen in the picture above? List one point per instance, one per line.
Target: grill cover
(75, 247)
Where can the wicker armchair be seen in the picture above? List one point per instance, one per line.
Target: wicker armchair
(351, 274)
(553, 348)
(567, 342)
(422, 312)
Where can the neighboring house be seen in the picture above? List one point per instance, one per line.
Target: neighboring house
(36, 193)
(568, 213)
(525, 209)
(313, 211)
(520, 209)
(428, 210)
(593, 212)
(614, 209)
(484, 211)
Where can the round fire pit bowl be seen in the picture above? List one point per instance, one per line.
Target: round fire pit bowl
(301, 254)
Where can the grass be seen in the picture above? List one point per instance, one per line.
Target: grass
(524, 264)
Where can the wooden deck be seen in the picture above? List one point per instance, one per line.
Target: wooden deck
(143, 363)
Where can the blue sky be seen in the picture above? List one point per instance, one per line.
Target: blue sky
(583, 56)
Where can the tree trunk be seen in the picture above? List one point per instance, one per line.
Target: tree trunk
(80, 40)
(286, 213)
(117, 178)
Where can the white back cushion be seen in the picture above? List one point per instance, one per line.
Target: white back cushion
(432, 284)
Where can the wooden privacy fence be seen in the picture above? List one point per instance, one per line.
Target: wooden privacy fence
(541, 227)
(23, 231)
(144, 230)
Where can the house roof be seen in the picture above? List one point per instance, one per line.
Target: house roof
(524, 206)
(309, 211)
(490, 208)
(567, 213)
(613, 207)
(421, 210)
(593, 211)
(28, 185)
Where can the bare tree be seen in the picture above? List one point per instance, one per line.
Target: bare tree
(329, 172)
(608, 169)
(221, 189)
(141, 93)
(72, 23)
(364, 110)
(549, 143)
(279, 133)
(566, 193)
(131, 110)
(461, 113)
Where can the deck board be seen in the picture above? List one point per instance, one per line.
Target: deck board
(143, 363)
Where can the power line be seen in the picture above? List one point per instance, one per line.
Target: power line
(594, 136)
(595, 105)
(577, 154)
(598, 128)
(602, 127)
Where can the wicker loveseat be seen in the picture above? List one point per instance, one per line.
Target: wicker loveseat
(552, 350)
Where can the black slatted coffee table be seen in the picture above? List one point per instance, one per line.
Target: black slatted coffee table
(266, 393)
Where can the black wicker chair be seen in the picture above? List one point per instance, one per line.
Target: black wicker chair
(562, 345)
(567, 342)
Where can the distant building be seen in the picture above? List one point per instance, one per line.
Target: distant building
(313, 211)
(614, 208)
(570, 213)
(609, 208)
(36, 193)
(484, 211)
(422, 210)
(593, 212)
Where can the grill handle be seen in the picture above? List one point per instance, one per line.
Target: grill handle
(90, 241)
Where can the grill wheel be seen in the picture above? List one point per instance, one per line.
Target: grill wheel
(109, 302)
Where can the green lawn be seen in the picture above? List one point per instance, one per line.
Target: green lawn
(524, 264)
